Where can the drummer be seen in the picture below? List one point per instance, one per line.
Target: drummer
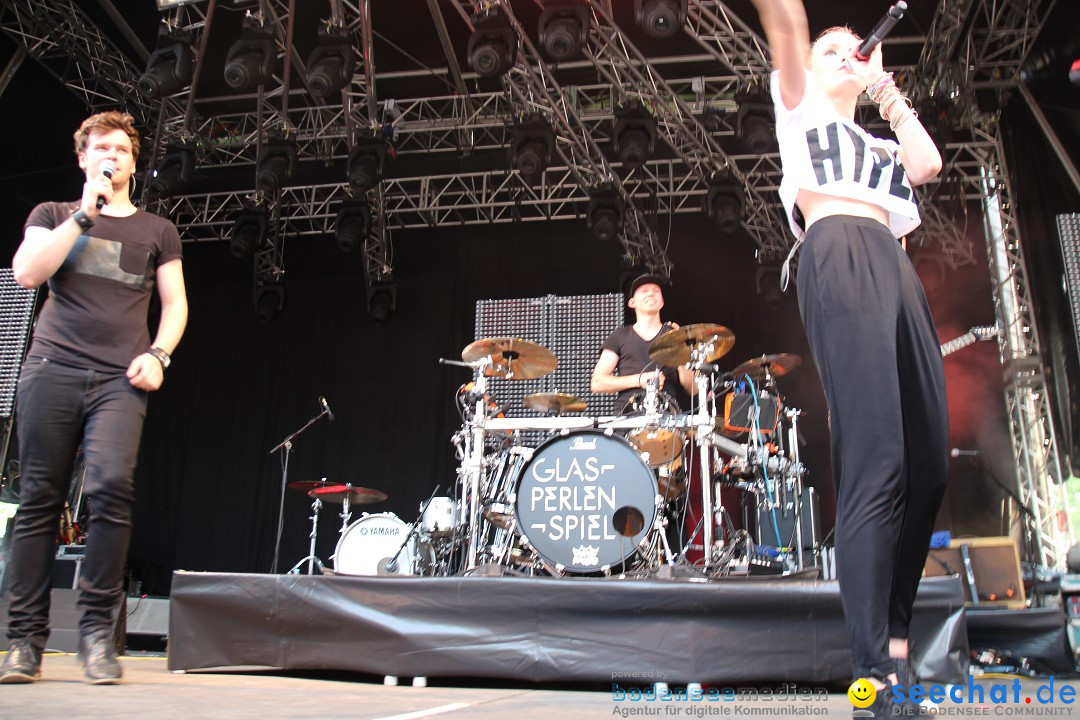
(624, 366)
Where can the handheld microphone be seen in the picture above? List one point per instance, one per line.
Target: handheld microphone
(107, 169)
(957, 452)
(326, 408)
(881, 30)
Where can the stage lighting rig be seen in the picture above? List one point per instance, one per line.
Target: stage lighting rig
(382, 297)
(660, 18)
(330, 65)
(169, 67)
(532, 146)
(172, 173)
(725, 201)
(563, 29)
(275, 165)
(252, 58)
(634, 134)
(755, 124)
(605, 212)
(249, 231)
(492, 45)
(367, 160)
(269, 298)
(352, 225)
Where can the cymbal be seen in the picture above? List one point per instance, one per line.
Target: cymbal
(768, 366)
(554, 402)
(356, 495)
(305, 485)
(673, 347)
(512, 358)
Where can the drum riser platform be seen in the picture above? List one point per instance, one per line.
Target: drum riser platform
(541, 629)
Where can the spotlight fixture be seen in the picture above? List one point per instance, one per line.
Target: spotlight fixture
(562, 29)
(605, 213)
(172, 173)
(532, 145)
(330, 65)
(491, 46)
(725, 201)
(660, 18)
(352, 225)
(249, 232)
(275, 164)
(269, 299)
(755, 124)
(252, 58)
(635, 134)
(767, 280)
(382, 298)
(169, 67)
(365, 165)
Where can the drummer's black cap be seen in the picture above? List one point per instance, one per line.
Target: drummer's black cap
(645, 279)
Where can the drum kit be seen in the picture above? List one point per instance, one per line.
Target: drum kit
(597, 495)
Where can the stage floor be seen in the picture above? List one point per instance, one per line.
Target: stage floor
(150, 690)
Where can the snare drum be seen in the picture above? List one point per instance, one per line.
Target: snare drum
(586, 502)
(368, 547)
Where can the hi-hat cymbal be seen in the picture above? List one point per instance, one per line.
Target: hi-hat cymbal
(554, 402)
(512, 358)
(306, 485)
(768, 366)
(356, 495)
(674, 347)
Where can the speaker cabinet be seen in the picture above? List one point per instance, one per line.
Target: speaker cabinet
(991, 564)
(785, 521)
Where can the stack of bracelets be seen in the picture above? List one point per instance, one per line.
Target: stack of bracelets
(894, 106)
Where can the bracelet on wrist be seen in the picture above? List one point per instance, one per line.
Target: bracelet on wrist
(84, 220)
(161, 356)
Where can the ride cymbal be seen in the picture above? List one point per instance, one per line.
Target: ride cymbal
(554, 402)
(512, 358)
(306, 485)
(768, 366)
(674, 347)
(356, 495)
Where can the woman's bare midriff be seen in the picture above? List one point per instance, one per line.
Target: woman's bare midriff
(815, 205)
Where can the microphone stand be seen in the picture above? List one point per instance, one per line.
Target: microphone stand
(391, 563)
(287, 445)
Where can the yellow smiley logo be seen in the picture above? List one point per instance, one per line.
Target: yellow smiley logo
(862, 693)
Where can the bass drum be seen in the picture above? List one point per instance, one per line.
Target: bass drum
(586, 502)
(369, 545)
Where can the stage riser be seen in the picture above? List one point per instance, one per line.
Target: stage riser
(539, 629)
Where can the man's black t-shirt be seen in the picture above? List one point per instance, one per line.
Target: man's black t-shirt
(96, 313)
(633, 352)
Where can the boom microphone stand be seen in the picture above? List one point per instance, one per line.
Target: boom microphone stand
(287, 445)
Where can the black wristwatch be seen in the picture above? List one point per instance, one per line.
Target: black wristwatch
(83, 219)
(161, 355)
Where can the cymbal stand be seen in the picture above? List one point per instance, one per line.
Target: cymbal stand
(345, 515)
(473, 455)
(704, 422)
(312, 559)
(795, 472)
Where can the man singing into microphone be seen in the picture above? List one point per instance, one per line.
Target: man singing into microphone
(86, 379)
(848, 196)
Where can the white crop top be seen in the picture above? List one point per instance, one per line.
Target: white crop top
(823, 151)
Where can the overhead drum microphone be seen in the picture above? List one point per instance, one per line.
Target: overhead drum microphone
(108, 167)
(884, 26)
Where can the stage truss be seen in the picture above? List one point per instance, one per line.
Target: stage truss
(970, 59)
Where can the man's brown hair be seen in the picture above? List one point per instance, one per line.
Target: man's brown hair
(106, 122)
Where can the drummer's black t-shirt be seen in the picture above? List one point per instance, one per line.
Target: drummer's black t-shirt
(633, 352)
